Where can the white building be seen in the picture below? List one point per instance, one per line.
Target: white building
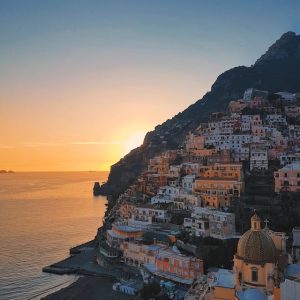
(230, 142)
(294, 131)
(251, 93)
(258, 159)
(296, 244)
(144, 216)
(289, 159)
(241, 154)
(166, 194)
(224, 126)
(187, 183)
(186, 201)
(276, 120)
(288, 97)
(290, 287)
(210, 222)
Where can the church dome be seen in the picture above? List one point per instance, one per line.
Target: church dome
(255, 245)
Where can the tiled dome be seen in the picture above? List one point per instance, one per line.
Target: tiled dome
(255, 245)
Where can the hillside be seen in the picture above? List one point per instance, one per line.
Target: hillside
(276, 70)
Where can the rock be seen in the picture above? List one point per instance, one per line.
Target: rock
(97, 189)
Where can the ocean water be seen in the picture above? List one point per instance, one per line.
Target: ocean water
(42, 215)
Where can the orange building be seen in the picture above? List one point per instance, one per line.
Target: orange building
(218, 184)
(217, 192)
(119, 233)
(222, 171)
(177, 267)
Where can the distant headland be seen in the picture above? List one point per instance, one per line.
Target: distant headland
(6, 171)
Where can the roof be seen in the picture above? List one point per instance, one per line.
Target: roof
(152, 269)
(126, 228)
(251, 294)
(222, 278)
(292, 166)
(256, 247)
(293, 270)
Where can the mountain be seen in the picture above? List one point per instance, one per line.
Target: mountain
(276, 70)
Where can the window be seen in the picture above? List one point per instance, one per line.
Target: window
(254, 275)
(240, 277)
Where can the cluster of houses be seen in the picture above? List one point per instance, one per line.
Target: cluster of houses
(198, 182)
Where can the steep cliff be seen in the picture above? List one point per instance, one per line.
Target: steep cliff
(277, 70)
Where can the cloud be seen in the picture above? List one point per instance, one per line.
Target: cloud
(98, 143)
(6, 146)
(53, 144)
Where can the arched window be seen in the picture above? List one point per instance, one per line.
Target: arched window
(254, 274)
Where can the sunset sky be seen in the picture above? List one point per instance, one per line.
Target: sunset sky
(81, 82)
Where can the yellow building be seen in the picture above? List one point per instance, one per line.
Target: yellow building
(254, 262)
(222, 171)
(217, 192)
(136, 253)
(219, 183)
(254, 275)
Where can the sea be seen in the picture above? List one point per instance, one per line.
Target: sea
(43, 215)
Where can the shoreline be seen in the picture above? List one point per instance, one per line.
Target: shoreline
(89, 288)
(95, 276)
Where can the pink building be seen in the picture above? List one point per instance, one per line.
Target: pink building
(288, 178)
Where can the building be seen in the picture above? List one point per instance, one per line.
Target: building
(254, 262)
(289, 159)
(194, 142)
(217, 192)
(186, 201)
(144, 216)
(222, 285)
(294, 131)
(119, 233)
(136, 253)
(222, 171)
(179, 268)
(254, 275)
(290, 286)
(159, 165)
(258, 158)
(292, 111)
(288, 178)
(165, 194)
(276, 120)
(230, 141)
(259, 130)
(257, 103)
(210, 222)
(286, 96)
(187, 183)
(237, 106)
(251, 93)
(296, 244)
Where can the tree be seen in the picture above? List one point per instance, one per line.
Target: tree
(150, 291)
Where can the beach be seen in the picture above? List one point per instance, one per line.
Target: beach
(89, 288)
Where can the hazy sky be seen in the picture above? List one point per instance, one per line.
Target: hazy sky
(81, 82)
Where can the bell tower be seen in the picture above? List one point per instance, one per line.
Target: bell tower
(255, 223)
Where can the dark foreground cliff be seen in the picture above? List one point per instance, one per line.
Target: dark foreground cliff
(277, 70)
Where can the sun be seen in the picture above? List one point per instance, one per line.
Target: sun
(134, 140)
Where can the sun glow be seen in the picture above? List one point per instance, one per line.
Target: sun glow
(134, 140)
